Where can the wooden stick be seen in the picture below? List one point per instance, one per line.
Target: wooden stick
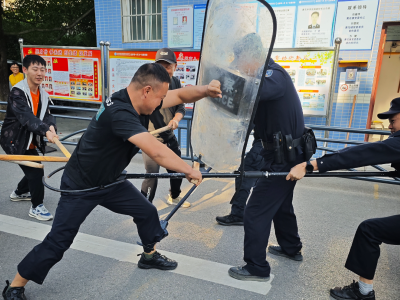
(6, 157)
(27, 163)
(351, 116)
(62, 148)
(162, 129)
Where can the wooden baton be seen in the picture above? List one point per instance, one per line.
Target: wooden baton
(6, 157)
(162, 129)
(27, 163)
(62, 148)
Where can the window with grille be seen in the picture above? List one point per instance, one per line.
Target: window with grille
(141, 20)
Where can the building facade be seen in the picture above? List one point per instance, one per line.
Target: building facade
(121, 23)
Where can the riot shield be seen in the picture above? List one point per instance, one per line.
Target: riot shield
(237, 42)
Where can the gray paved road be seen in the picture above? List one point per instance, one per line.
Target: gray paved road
(328, 212)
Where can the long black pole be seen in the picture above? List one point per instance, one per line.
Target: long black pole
(258, 174)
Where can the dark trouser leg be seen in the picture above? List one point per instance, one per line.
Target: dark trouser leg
(125, 199)
(252, 162)
(365, 251)
(32, 182)
(266, 200)
(285, 224)
(72, 210)
(175, 184)
(150, 183)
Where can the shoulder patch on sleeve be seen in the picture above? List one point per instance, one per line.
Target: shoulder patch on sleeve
(100, 111)
(269, 73)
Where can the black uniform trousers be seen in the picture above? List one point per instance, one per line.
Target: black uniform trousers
(252, 162)
(72, 210)
(152, 167)
(365, 251)
(271, 200)
(32, 182)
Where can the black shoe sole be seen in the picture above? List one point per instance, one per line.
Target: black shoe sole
(248, 278)
(295, 258)
(231, 224)
(144, 266)
(336, 297)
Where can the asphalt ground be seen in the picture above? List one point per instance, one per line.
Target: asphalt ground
(328, 212)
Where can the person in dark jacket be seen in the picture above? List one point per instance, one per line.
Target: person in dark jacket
(364, 252)
(27, 121)
(160, 118)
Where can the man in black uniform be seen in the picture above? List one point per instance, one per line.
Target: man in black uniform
(279, 114)
(252, 162)
(166, 116)
(364, 252)
(113, 137)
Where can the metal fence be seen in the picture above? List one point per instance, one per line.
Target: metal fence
(183, 135)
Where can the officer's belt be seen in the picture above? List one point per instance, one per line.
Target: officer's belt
(270, 145)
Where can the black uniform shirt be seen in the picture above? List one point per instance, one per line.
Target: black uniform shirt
(387, 151)
(279, 108)
(104, 151)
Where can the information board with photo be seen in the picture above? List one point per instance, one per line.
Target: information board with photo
(311, 73)
(180, 26)
(125, 63)
(71, 73)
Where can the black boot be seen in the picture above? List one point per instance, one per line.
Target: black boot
(158, 261)
(351, 292)
(230, 220)
(11, 293)
(277, 250)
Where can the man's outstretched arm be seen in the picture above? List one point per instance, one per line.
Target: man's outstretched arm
(192, 94)
(164, 156)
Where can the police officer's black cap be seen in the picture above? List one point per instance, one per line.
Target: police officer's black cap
(394, 109)
(167, 55)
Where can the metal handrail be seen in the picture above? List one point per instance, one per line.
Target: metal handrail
(346, 129)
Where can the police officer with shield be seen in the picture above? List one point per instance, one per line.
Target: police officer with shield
(280, 124)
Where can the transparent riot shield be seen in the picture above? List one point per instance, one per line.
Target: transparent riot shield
(237, 42)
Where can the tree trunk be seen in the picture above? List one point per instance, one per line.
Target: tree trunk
(4, 83)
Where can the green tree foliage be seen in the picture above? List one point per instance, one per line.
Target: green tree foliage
(44, 22)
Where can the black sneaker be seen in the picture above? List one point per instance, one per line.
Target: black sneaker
(277, 250)
(351, 292)
(16, 293)
(158, 261)
(241, 273)
(230, 220)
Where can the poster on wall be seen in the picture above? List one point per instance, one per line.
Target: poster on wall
(285, 16)
(71, 73)
(347, 90)
(355, 24)
(199, 12)
(180, 26)
(311, 73)
(125, 63)
(314, 25)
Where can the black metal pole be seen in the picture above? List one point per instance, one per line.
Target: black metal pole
(258, 174)
(182, 200)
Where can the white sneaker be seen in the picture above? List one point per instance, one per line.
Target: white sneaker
(175, 201)
(40, 213)
(23, 197)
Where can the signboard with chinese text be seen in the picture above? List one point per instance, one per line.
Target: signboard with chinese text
(355, 24)
(311, 73)
(125, 63)
(71, 73)
(198, 24)
(180, 26)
